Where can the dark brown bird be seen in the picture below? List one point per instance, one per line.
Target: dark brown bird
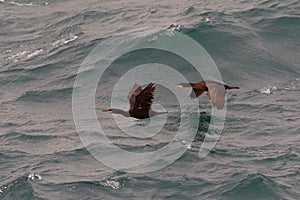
(215, 91)
(140, 101)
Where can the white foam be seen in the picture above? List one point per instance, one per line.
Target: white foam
(33, 176)
(21, 4)
(19, 54)
(206, 20)
(189, 147)
(36, 52)
(268, 89)
(64, 41)
(112, 184)
(16, 3)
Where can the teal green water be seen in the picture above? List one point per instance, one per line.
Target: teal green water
(255, 45)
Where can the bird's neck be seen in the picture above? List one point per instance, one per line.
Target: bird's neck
(120, 112)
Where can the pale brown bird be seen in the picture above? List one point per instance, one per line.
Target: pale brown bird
(140, 101)
(215, 91)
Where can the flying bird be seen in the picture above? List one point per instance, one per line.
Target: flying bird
(140, 101)
(215, 91)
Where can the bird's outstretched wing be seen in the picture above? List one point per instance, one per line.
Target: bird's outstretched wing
(134, 91)
(216, 92)
(196, 93)
(141, 100)
(198, 89)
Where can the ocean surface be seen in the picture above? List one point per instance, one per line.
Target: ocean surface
(255, 45)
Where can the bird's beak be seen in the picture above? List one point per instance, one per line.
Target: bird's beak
(109, 111)
(179, 86)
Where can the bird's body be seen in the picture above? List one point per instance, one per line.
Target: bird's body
(140, 101)
(215, 91)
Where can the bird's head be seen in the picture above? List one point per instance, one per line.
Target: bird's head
(117, 111)
(108, 110)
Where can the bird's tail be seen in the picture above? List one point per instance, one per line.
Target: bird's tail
(233, 87)
(152, 113)
(183, 85)
(161, 113)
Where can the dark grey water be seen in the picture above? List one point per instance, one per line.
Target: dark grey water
(255, 45)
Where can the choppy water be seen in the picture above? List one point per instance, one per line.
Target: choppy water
(255, 45)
